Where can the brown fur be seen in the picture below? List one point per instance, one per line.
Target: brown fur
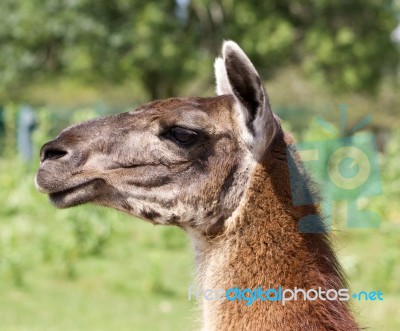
(264, 247)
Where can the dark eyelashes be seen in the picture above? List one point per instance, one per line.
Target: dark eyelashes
(182, 136)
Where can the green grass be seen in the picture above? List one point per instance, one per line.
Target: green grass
(371, 259)
(138, 283)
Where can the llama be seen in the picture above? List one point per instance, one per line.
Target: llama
(218, 168)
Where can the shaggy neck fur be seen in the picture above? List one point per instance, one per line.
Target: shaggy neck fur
(262, 247)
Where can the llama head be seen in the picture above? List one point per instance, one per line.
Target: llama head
(183, 161)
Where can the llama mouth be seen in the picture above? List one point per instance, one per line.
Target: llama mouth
(76, 195)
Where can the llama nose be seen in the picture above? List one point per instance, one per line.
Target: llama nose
(51, 152)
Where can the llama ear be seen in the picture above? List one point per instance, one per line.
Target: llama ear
(236, 75)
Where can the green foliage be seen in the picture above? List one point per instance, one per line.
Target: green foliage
(162, 45)
(95, 40)
(390, 173)
(10, 124)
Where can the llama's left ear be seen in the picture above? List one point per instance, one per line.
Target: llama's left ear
(236, 75)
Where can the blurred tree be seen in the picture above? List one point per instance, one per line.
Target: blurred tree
(164, 44)
(95, 41)
(345, 43)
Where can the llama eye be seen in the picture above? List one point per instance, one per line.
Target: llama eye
(183, 136)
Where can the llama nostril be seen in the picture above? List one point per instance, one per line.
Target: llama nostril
(53, 154)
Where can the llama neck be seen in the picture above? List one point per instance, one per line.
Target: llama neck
(262, 247)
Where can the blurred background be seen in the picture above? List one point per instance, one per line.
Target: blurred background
(64, 61)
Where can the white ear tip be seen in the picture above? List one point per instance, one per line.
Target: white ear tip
(230, 46)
